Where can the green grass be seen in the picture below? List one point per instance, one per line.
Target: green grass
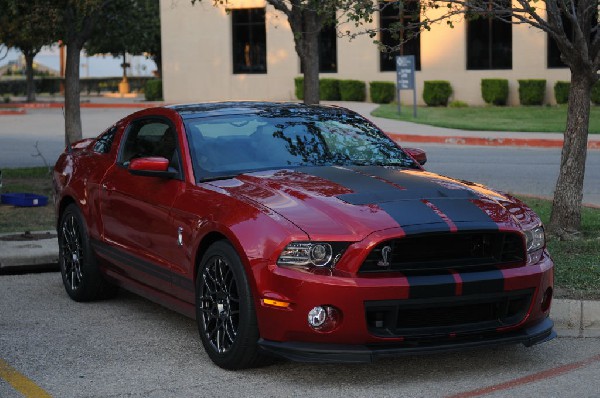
(547, 119)
(577, 262)
(20, 219)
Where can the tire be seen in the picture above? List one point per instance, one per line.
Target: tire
(78, 267)
(225, 310)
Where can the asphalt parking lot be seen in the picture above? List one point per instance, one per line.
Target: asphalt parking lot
(130, 347)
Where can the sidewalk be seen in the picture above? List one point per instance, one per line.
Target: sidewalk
(572, 318)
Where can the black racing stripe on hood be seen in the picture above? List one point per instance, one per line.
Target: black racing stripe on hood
(462, 210)
(414, 212)
(357, 182)
(399, 194)
(416, 187)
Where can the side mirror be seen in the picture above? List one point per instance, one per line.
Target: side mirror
(418, 154)
(151, 167)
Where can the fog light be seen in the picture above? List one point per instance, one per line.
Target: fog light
(324, 318)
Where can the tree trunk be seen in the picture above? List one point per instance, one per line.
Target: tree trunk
(29, 55)
(72, 100)
(565, 218)
(124, 66)
(310, 58)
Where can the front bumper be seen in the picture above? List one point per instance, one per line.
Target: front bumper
(324, 353)
(354, 297)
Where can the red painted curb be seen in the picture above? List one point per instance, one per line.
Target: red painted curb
(484, 141)
(14, 111)
(55, 105)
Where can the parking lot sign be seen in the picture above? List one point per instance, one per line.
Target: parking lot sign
(405, 78)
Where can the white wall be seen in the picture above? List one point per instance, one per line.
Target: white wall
(197, 58)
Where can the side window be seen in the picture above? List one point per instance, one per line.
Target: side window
(151, 138)
(104, 143)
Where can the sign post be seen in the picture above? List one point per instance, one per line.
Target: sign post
(405, 78)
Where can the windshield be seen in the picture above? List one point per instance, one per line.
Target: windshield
(224, 146)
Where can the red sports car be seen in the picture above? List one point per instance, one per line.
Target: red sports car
(298, 231)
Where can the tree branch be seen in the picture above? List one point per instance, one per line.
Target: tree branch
(280, 5)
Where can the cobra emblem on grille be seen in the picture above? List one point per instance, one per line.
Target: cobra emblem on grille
(385, 253)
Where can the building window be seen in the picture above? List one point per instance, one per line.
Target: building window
(328, 49)
(249, 40)
(553, 59)
(389, 18)
(489, 42)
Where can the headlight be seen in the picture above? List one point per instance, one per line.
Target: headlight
(318, 254)
(535, 239)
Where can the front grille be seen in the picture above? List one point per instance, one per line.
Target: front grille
(458, 251)
(426, 318)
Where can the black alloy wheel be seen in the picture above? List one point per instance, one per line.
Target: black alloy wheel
(78, 266)
(71, 252)
(225, 310)
(220, 304)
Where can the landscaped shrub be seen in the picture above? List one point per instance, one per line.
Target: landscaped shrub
(532, 91)
(329, 89)
(299, 87)
(153, 90)
(382, 92)
(561, 92)
(596, 93)
(50, 85)
(436, 92)
(494, 91)
(353, 90)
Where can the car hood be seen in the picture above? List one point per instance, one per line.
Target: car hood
(349, 203)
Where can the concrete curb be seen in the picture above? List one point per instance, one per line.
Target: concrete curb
(576, 318)
(18, 254)
(572, 318)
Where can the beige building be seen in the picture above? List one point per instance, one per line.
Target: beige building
(246, 52)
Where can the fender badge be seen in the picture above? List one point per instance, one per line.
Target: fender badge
(180, 236)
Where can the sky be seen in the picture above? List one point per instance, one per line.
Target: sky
(96, 66)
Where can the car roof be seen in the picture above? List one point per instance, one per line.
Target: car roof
(209, 109)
